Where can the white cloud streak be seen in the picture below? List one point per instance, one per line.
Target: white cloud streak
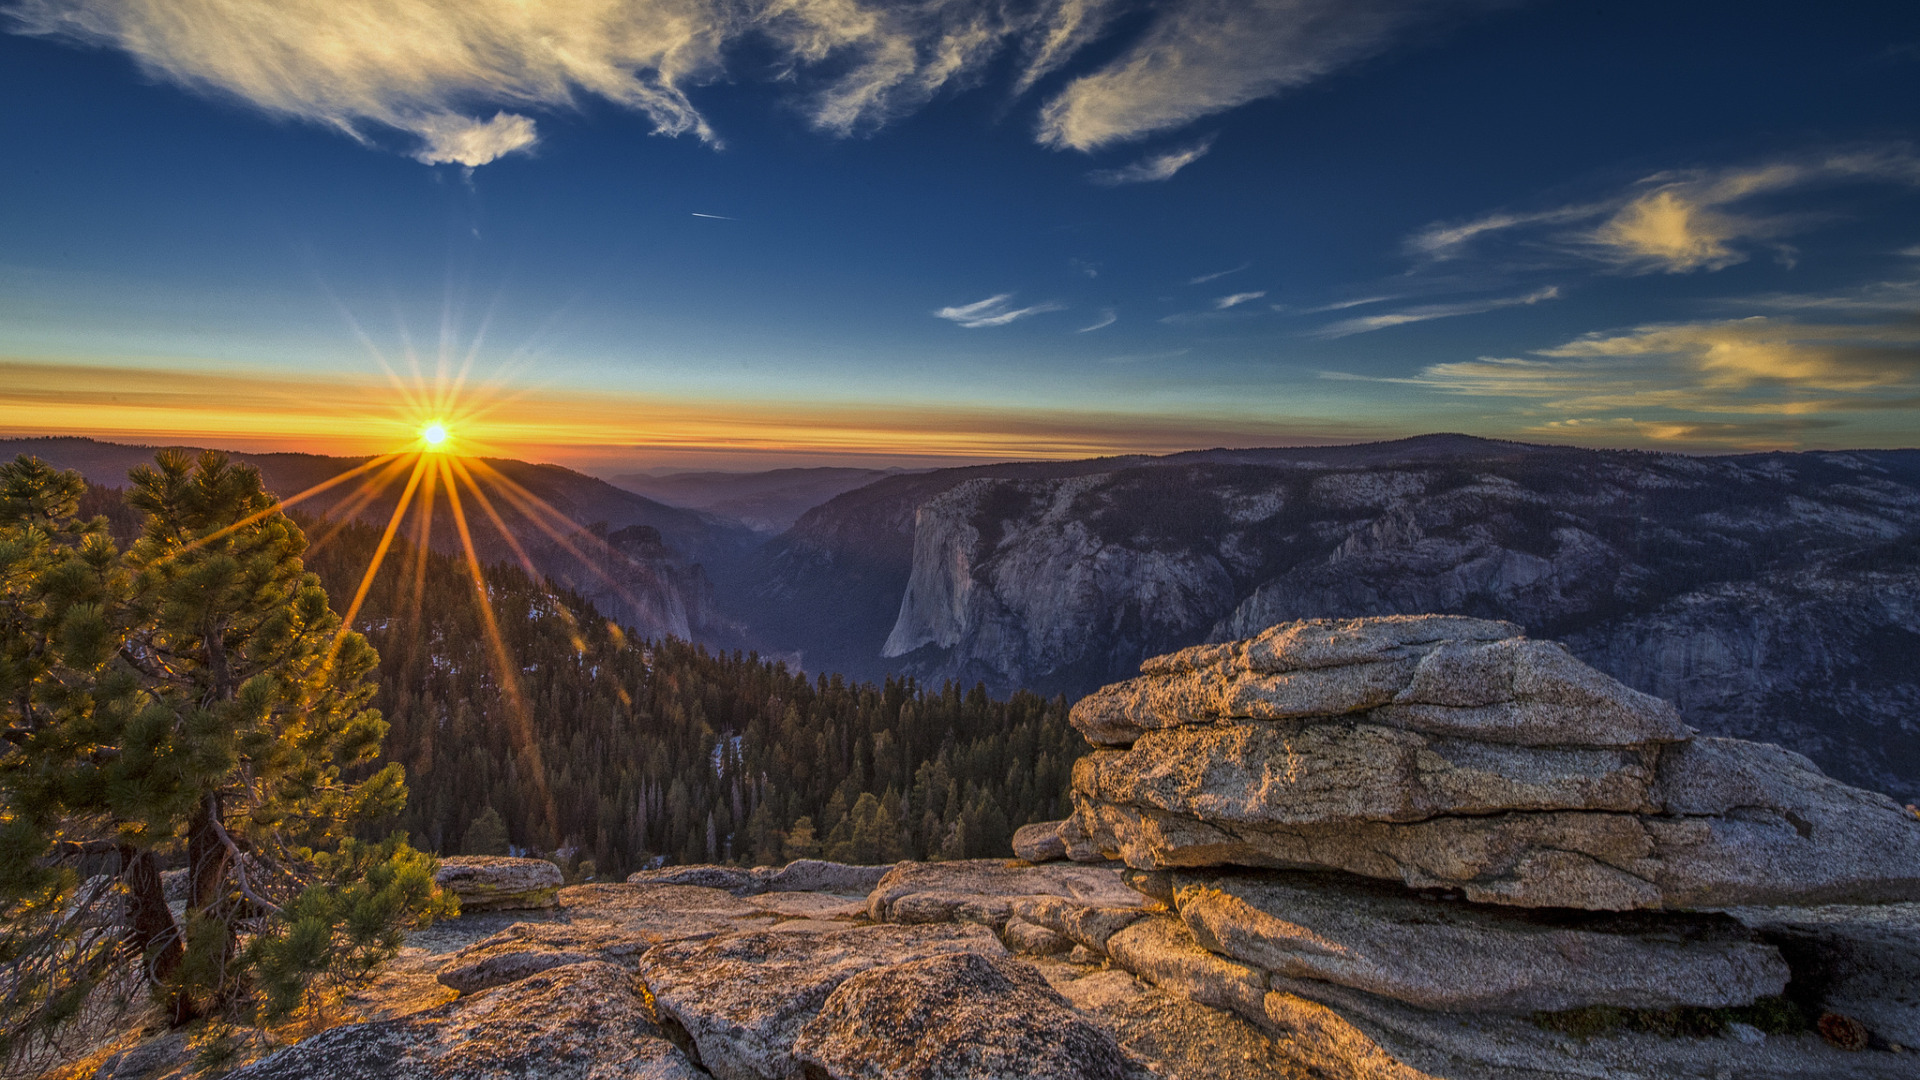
(1673, 222)
(1235, 300)
(1107, 318)
(1425, 312)
(1153, 167)
(467, 78)
(993, 311)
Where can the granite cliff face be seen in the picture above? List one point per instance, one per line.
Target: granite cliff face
(1770, 596)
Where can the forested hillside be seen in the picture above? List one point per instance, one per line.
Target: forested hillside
(629, 750)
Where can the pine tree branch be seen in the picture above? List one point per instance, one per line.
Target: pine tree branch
(240, 868)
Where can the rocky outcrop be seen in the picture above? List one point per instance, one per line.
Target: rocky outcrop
(1463, 827)
(1451, 753)
(951, 1017)
(489, 882)
(581, 1021)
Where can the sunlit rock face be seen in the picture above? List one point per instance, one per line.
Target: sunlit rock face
(1770, 596)
(1443, 752)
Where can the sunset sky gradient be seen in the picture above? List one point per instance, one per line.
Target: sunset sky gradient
(748, 233)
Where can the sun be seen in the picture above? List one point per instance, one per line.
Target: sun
(434, 435)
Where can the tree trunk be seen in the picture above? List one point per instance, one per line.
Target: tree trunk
(209, 860)
(156, 936)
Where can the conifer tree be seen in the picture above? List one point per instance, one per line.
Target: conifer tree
(194, 695)
(487, 835)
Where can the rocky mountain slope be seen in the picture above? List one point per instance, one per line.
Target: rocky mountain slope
(1772, 596)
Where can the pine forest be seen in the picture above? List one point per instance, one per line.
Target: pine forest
(614, 753)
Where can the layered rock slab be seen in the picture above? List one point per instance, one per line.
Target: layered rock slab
(1799, 838)
(1445, 955)
(1039, 842)
(739, 1001)
(983, 890)
(963, 1016)
(1441, 674)
(1259, 773)
(1498, 766)
(491, 882)
(1347, 1032)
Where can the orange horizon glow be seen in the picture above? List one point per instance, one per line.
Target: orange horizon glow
(357, 415)
(366, 415)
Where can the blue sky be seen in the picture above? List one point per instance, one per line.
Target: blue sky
(749, 233)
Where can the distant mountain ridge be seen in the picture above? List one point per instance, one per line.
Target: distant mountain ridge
(659, 588)
(1773, 596)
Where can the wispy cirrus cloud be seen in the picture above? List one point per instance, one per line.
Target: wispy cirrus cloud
(467, 78)
(1153, 167)
(1107, 318)
(1203, 57)
(1674, 222)
(1751, 381)
(1895, 297)
(1425, 312)
(993, 311)
(1236, 299)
